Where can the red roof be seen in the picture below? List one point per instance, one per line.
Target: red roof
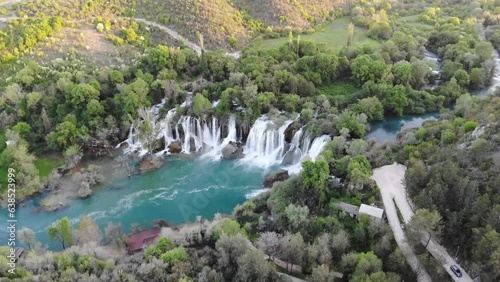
(140, 240)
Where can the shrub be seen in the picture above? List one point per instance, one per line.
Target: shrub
(447, 136)
(470, 126)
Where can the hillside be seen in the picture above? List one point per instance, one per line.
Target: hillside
(297, 13)
(217, 20)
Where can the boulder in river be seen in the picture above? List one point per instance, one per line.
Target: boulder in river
(175, 147)
(232, 151)
(150, 162)
(276, 176)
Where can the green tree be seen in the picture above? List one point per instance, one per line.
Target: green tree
(477, 78)
(27, 236)
(81, 94)
(296, 215)
(486, 252)
(462, 77)
(175, 255)
(230, 248)
(358, 171)
(348, 119)
(350, 34)
(322, 274)
(290, 102)
(315, 177)
(293, 250)
(252, 266)
(371, 107)
(425, 224)
(23, 129)
(201, 105)
(420, 73)
(87, 231)
(61, 231)
(116, 77)
(447, 136)
(364, 68)
(367, 263)
(265, 101)
(402, 72)
(227, 226)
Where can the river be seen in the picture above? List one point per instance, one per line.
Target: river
(188, 185)
(179, 191)
(388, 129)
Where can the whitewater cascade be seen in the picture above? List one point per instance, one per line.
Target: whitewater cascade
(496, 75)
(301, 148)
(265, 146)
(265, 143)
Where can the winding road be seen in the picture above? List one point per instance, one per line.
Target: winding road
(169, 31)
(389, 179)
(10, 2)
(179, 37)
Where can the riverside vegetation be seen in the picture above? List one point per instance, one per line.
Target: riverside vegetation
(75, 107)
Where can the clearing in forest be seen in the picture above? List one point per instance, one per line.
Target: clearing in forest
(334, 34)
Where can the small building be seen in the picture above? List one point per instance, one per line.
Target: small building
(140, 240)
(374, 213)
(351, 210)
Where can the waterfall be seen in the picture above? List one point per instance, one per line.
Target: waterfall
(211, 134)
(265, 144)
(215, 149)
(308, 151)
(192, 129)
(317, 146)
(496, 75)
(231, 131)
(167, 128)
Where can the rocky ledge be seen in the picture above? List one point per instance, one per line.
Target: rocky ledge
(276, 176)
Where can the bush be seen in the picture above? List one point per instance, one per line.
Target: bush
(233, 42)
(175, 255)
(447, 136)
(118, 41)
(470, 126)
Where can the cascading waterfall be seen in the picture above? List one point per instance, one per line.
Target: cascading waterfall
(265, 144)
(211, 134)
(192, 130)
(496, 75)
(215, 150)
(168, 130)
(311, 153)
(231, 131)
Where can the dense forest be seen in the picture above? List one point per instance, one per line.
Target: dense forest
(70, 103)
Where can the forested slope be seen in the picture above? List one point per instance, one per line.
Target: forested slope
(289, 13)
(454, 168)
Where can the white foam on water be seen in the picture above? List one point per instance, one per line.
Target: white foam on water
(255, 193)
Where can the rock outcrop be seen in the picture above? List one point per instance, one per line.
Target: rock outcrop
(232, 151)
(149, 163)
(273, 177)
(175, 147)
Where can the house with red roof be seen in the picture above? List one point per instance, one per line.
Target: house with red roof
(140, 240)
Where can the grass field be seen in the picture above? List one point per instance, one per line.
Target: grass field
(44, 166)
(339, 93)
(334, 35)
(413, 21)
